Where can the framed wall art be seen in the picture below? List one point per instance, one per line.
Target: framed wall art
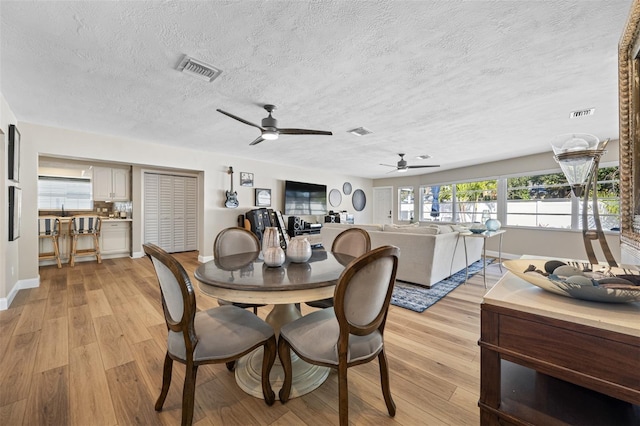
(263, 197)
(15, 212)
(14, 153)
(246, 179)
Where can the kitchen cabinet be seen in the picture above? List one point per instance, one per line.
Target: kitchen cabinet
(115, 237)
(111, 184)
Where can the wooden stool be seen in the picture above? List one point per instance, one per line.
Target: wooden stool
(82, 226)
(49, 227)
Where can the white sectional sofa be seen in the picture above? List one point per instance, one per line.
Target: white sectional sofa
(428, 254)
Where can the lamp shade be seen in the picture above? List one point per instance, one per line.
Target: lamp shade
(575, 153)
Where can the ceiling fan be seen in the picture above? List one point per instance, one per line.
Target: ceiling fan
(269, 129)
(402, 165)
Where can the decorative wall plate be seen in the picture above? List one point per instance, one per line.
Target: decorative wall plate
(359, 200)
(335, 198)
(346, 188)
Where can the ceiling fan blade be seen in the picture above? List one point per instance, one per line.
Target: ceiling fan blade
(420, 167)
(389, 165)
(303, 132)
(257, 141)
(242, 120)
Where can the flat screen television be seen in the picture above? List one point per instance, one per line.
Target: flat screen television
(304, 198)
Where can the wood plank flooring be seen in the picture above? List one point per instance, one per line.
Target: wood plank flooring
(87, 347)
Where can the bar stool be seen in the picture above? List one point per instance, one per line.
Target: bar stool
(84, 226)
(49, 227)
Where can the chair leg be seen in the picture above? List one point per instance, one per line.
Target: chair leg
(284, 352)
(189, 393)
(56, 251)
(96, 244)
(343, 394)
(72, 252)
(231, 365)
(386, 387)
(166, 381)
(255, 310)
(268, 358)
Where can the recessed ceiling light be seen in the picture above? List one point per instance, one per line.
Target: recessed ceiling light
(360, 131)
(423, 156)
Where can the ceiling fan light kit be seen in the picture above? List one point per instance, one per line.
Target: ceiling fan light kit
(269, 130)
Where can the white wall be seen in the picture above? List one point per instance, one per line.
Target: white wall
(9, 259)
(210, 167)
(517, 241)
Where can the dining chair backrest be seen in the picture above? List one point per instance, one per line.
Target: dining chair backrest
(178, 297)
(353, 241)
(85, 224)
(363, 293)
(235, 240)
(48, 225)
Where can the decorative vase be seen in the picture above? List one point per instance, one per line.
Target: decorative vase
(270, 238)
(486, 215)
(299, 250)
(493, 224)
(274, 256)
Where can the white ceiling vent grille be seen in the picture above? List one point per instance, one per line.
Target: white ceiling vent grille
(199, 69)
(582, 113)
(360, 131)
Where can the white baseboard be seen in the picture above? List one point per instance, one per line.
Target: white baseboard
(203, 259)
(5, 302)
(137, 254)
(504, 255)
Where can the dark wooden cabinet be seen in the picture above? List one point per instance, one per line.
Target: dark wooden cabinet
(549, 359)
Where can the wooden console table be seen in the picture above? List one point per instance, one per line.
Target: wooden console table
(549, 359)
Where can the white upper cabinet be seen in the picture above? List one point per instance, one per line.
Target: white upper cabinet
(110, 184)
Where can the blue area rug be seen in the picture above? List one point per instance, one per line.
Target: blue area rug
(418, 298)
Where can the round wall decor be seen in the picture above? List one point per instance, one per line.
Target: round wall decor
(346, 188)
(359, 200)
(335, 198)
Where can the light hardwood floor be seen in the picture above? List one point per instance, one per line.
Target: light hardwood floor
(87, 346)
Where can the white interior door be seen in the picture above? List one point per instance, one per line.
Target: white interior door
(383, 205)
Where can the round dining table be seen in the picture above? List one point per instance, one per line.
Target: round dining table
(245, 278)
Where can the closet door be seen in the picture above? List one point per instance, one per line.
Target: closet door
(170, 205)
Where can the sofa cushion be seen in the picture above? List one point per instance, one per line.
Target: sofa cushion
(392, 227)
(445, 229)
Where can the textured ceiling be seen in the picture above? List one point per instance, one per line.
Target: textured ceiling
(465, 82)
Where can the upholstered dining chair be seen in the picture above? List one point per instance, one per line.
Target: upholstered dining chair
(87, 227)
(49, 228)
(353, 242)
(217, 335)
(350, 333)
(232, 241)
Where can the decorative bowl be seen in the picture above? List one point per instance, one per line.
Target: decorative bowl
(477, 230)
(558, 285)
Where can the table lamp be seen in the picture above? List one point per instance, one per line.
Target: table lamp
(579, 156)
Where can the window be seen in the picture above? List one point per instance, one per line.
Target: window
(473, 198)
(540, 200)
(405, 203)
(56, 193)
(436, 203)
(546, 201)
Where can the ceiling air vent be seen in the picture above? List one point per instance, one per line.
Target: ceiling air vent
(199, 69)
(582, 113)
(360, 131)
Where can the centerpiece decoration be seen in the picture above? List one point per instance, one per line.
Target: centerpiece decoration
(271, 251)
(299, 249)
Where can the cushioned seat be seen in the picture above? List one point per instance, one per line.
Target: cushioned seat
(350, 333)
(218, 335)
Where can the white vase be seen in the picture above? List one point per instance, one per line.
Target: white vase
(270, 238)
(274, 256)
(493, 224)
(299, 250)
